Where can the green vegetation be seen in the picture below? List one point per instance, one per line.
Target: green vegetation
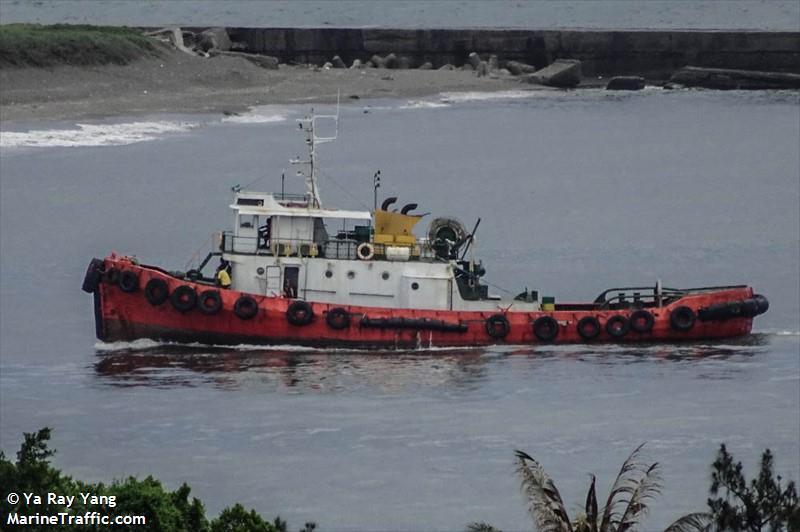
(165, 511)
(734, 505)
(43, 46)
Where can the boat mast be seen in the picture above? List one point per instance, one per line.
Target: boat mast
(309, 125)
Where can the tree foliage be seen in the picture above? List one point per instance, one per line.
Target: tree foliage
(165, 511)
(634, 488)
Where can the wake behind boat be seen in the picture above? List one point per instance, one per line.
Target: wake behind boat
(294, 272)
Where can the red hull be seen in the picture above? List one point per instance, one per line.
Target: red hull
(127, 315)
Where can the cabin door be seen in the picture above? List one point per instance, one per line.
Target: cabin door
(273, 278)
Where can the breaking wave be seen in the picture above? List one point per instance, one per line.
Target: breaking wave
(86, 135)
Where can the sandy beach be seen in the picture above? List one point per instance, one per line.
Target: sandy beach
(179, 83)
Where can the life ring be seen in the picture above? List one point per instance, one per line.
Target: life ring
(365, 251)
(156, 291)
(129, 281)
(337, 318)
(183, 298)
(299, 313)
(497, 326)
(245, 307)
(589, 327)
(641, 321)
(209, 302)
(545, 328)
(682, 318)
(617, 326)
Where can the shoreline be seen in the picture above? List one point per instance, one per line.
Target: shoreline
(179, 83)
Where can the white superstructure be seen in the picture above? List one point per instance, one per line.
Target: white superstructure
(289, 245)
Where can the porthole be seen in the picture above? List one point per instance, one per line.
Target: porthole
(351, 274)
(328, 274)
(385, 276)
(415, 286)
(260, 271)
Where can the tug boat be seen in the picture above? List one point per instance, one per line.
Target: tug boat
(372, 283)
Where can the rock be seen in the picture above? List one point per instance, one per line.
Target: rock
(426, 66)
(483, 69)
(625, 83)
(214, 39)
(561, 73)
(493, 63)
(357, 64)
(504, 72)
(370, 64)
(327, 66)
(337, 62)
(467, 67)
(264, 61)
(474, 60)
(403, 63)
(390, 61)
(448, 66)
(726, 78)
(517, 68)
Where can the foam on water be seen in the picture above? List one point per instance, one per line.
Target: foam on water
(262, 114)
(85, 135)
(470, 96)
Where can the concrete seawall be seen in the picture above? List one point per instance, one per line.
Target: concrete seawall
(655, 53)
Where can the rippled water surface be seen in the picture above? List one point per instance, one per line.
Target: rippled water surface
(578, 191)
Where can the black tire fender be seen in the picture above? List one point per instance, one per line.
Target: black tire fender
(682, 318)
(94, 274)
(617, 326)
(129, 281)
(156, 291)
(245, 307)
(497, 326)
(299, 312)
(545, 328)
(337, 318)
(641, 321)
(209, 302)
(183, 298)
(589, 327)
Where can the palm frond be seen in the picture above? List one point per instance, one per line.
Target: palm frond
(696, 522)
(623, 485)
(645, 490)
(591, 507)
(544, 500)
(480, 526)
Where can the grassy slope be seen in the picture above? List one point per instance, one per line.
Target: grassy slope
(24, 45)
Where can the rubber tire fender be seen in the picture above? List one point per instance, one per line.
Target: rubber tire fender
(337, 318)
(156, 291)
(585, 332)
(209, 302)
(497, 326)
(749, 308)
(183, 298)
(129, 281)
(245, 307)
(682, 318)
(94, 274)
(641, 321)
(111, 276)
(617, 331)
(545, 328)
(299, 312)
(763, 303)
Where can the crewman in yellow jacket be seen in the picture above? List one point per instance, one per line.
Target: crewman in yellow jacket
(223, 277)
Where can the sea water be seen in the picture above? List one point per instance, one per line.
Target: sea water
(576, 192)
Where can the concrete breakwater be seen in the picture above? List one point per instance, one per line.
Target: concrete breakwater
(652, 53)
